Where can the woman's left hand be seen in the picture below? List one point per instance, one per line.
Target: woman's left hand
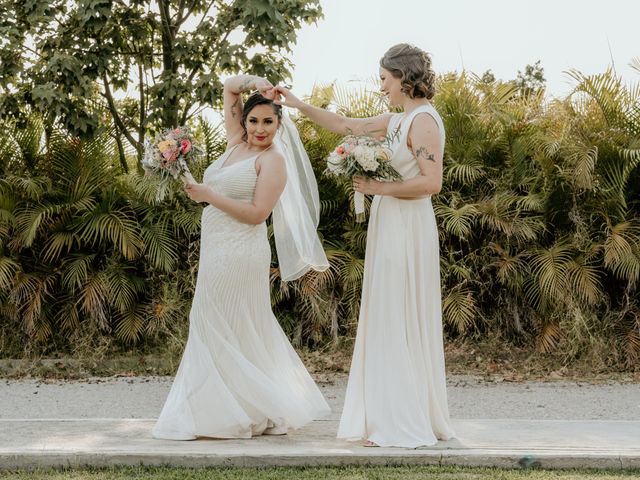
(367, 186)
(198, 192)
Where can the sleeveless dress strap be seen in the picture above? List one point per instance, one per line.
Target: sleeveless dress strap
(394, 125)
(405, 123)
(225, 156)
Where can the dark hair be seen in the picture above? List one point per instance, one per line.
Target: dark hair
(413, 67)
(253, 101)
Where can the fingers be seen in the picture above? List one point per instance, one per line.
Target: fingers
(281, 90)
(283, 96)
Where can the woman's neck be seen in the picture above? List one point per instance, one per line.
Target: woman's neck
(410, 104)
(256, 148)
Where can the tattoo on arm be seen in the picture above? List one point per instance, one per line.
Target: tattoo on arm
(422, 152)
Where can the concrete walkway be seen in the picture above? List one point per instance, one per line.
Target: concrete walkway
(28, 439)
(500, 443)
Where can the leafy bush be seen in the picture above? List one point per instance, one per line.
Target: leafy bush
(539, 224)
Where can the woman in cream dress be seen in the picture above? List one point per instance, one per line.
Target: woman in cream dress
(396, 394)
(239, 375)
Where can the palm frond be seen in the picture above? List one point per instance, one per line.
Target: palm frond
(115, 226)
(549, 337)
(459, 308)
(550, 268)
(621, 251)
(8, 270)
(584, 280)
(93, 299)
(123, 287)
(76, 269)
(160, 245)
(466, 172)
(131, 324)
(458, 222)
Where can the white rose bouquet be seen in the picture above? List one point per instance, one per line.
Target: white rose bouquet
(363, 156)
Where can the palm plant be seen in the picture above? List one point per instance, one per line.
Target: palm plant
(539, 222)
(80, 244)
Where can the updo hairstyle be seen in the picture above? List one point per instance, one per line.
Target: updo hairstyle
(413, 67)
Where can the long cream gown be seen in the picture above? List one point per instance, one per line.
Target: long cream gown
(396, 394)
(239, 375)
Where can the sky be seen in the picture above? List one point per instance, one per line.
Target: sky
(475, 35)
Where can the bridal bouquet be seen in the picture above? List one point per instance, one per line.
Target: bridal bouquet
(167, 156)
(363, 156)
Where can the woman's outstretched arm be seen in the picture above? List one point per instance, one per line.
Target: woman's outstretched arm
(376, 126)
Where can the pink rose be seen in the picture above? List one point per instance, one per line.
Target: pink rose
(185, 146)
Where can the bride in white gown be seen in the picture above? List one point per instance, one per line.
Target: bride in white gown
(396, 394)
(239, 375)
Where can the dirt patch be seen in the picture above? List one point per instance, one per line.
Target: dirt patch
(491, 361)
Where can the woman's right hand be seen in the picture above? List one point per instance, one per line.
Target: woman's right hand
(284, 97)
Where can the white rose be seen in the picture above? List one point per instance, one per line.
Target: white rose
(366, 157)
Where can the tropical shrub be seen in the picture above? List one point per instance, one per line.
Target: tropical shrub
(539, 222)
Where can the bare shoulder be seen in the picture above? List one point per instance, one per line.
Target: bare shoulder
(424, 130)
(274, 156)
(424, 122)
(271, 161)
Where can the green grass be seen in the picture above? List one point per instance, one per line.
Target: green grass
(346, 473)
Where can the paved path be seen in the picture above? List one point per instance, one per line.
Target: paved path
(469, 397)
(107, 421)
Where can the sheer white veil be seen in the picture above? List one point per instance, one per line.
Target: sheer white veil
(297, 213)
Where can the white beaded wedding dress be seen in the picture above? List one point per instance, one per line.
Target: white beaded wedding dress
(396, 394)
(239, 375)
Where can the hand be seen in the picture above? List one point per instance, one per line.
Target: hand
(367, 186)
(290, 100)
(265, 88)
(198, 192)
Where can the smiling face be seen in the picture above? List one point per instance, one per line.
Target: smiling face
(391, 87)
(261, 126)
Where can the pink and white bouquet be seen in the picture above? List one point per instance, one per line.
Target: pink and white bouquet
(362, 156)
(168, 156)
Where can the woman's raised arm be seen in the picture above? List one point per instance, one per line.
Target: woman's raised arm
(376, 126)
(232, 100)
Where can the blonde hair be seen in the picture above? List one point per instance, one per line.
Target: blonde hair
(413, 67)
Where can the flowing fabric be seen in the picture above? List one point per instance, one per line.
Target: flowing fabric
(297, 213)
(396, 393)
(239, 375)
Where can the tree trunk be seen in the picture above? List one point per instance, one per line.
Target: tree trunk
(170, 108)
(121, 153)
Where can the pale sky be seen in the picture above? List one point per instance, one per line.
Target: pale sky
(501, 35)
